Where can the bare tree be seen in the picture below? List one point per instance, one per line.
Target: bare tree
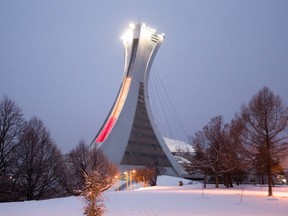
(11, 125)
(77, 164)
(197, 159)
(235, 165)
(214, 151)
(39, 163)
(216, 143)
(265, 123)
(147, 175)
(83, 162)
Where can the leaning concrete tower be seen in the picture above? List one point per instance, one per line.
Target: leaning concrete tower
(129, 136)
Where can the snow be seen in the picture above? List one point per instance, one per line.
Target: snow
(177, 145)
(167, 199)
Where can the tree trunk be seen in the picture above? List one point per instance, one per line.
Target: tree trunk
(269, 175)
(230, 182)
(205, 180)
(226, 180)
(216, 180)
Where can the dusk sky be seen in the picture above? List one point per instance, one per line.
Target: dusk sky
(62, 61)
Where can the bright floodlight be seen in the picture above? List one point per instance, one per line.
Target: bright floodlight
(132, 25)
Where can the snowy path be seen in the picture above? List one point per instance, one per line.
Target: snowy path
(166, 200)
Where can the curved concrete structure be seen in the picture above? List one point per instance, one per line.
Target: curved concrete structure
(129, 136)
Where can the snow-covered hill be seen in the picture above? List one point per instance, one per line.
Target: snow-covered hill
(177, 145)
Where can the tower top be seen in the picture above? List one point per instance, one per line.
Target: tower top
(134, 32)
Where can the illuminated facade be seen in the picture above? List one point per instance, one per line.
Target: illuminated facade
(129, 136)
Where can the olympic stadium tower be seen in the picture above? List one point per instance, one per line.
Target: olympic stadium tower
(129, 136)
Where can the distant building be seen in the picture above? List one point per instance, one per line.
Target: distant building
(129, 137)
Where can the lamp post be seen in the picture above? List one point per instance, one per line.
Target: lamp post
(127, 179)
(131, 172)
(117, 184)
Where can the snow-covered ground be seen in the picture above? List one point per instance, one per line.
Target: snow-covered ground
(166, 199)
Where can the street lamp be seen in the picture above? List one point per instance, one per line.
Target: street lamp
(127, 179)
(117, 184)
(131, 172)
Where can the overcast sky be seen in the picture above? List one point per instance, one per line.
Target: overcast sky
(62, 61)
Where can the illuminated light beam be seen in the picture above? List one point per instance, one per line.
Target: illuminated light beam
(107, 128)
(116, 112)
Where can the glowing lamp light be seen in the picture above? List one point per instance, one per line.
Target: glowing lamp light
(132, 25)
(128, 36)
(162, 36)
